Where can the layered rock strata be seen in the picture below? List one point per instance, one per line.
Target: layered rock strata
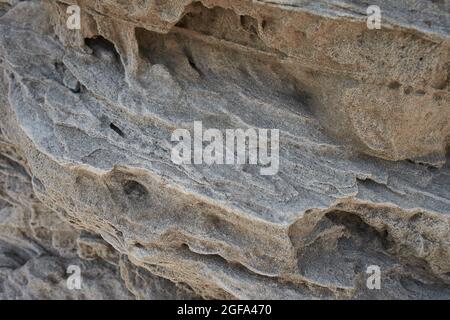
(85, 152)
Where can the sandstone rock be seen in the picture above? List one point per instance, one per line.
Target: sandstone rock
(87, 177)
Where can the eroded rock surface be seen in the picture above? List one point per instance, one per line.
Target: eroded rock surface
(85, 149)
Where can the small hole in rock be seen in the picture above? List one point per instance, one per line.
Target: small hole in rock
(139, 245)
(249, 24)
(193, 65)
(394, 85)
(192, 62)
(263, 24)
(134, 189)
(117, 130)
(408, 90)
(76, 88)
(59, 66)
(100, 46)
(420, 93)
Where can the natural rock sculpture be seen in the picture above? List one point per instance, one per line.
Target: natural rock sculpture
(85, 149)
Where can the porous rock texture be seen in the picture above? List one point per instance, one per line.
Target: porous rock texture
(85, 149)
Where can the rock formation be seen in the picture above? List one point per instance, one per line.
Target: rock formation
(87, 179)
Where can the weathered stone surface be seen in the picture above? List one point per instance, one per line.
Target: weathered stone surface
(87, 176)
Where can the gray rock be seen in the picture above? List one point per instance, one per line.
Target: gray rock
(87, 177)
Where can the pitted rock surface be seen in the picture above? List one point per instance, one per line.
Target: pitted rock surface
(86, 176)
